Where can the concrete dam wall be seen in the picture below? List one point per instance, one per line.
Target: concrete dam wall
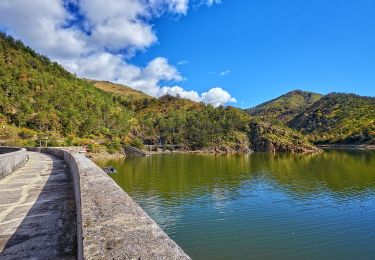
(110, 224)
(11, 159)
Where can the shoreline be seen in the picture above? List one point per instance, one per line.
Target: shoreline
(196, 152)
(346, 146)
(105, 155)
(119, 155)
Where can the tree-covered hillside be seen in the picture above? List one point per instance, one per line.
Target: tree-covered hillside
(285, 107)
(338, 118)
(173, 120)
(265, 137)
(40, 100)
(39, 97)
(333, 118)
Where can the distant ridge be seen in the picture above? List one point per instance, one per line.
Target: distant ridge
(338, 118)
(119, 89)
(285, 107)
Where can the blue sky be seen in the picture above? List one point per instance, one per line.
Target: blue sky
(271, 47)
(211, 51)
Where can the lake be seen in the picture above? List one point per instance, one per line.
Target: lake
(259, 206)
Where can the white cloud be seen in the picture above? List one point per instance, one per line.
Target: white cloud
(99, 40)
(118, 24)
(182, 62)
(178, 91)
(178, 6)
(208, 3)
(40, 23)
(147, 79)
(217, 97)
(211, 2)
(174, 6)
(225, 72)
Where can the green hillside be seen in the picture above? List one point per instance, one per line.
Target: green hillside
(39, 97)
(333, 118)
(271, 137)
(174, 120)
(285, 107)
(338, 118)
(39, 100)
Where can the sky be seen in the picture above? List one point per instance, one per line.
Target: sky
(222, 52)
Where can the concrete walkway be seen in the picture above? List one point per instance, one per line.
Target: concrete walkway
(37, 211)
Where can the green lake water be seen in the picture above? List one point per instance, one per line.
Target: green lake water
(259, 206)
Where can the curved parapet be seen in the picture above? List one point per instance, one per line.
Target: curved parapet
(110, 224)
(11, 159)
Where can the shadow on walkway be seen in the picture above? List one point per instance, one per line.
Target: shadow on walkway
(49, 229)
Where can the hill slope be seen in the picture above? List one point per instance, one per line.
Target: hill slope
(338, 118)
(40, 99)
(267, 137)
(38, 94)
(119, 89)
(285, 107)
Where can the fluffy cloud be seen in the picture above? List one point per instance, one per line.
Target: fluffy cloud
(178, 91)
(217, 97)
(117, 24)
(40, 23)
(147, 79)
(98, 39)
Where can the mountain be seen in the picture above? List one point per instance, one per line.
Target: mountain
(174, 120)
(338, 118)
(40, 101)
(333, 118)
(285, 107)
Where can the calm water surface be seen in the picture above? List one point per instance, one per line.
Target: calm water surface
(260, 206)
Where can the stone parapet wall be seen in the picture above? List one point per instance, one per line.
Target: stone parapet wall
(11, 159)
(111, 225)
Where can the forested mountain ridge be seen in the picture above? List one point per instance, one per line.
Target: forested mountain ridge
(40, 100)
(338, 118)
(39, 97)
(285, 107)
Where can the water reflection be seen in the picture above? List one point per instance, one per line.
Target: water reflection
(260, 206)
(181, 175)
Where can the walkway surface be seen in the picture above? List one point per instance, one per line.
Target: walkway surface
(37, 211)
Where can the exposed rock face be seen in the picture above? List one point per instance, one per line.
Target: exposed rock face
(225, 149)
(265, 137)
(238, 143)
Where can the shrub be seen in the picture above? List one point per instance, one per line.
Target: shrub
(137, 142)
(27, 133)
